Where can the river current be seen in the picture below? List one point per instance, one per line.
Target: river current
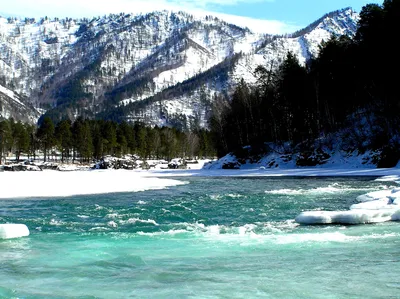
(213, 237)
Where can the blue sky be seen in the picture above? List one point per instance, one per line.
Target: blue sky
(301, 12)
(270, 16)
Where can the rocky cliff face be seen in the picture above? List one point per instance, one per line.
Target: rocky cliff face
(160, 67)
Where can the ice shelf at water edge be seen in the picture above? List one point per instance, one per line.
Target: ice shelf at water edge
(373, 207)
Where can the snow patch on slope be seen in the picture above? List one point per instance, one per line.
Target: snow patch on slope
(10, 94)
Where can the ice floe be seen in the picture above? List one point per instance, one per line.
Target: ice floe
(373, 207)
(13, 230)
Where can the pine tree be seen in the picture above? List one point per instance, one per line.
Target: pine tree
(33, 142)
(82, 138)
(294, 94)
(127, 132)
(218, 123)
(63, 136)
(169, 142)
(5, 139)
(97, 138)
(142, 142)
(109, 133)
(45, 134)
(21, 139)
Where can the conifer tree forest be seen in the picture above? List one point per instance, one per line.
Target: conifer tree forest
(352, 80)
(87, 140)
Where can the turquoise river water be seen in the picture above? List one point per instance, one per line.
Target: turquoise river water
(210, 238)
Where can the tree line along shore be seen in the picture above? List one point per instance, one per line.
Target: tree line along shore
(87, 140)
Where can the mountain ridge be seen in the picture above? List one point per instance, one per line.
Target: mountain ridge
(98, 67)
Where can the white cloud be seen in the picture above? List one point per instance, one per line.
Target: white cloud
(259, 25)
(91, 8)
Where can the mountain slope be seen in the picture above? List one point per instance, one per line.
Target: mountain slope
(161, 68)
(11, 105)
(304, 43)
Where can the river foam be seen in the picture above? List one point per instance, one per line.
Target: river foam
(330, 189)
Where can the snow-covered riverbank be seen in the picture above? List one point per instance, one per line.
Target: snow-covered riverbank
(52, 183)
(379, 206)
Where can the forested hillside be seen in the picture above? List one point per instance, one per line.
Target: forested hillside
(348, 94)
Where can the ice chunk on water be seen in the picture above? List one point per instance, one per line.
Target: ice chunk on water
(382, 203)
(13, 230)
(315, 217)
(357, 216)
(377, 206)
(376, 195)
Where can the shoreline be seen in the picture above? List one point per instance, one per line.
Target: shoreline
(55, 183)
(200, 169)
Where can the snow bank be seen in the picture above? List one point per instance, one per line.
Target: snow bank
(52, 183)
(11, 230)
(374, 207)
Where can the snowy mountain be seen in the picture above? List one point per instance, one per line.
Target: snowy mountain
(160, 68)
